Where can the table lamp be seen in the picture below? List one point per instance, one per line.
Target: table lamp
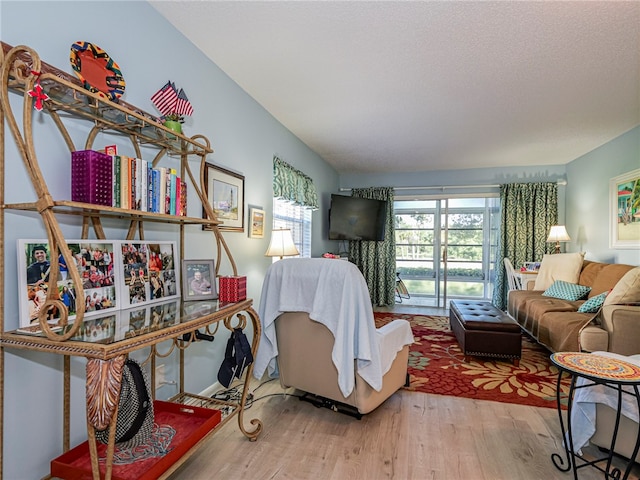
(281, 244)
(558, 233)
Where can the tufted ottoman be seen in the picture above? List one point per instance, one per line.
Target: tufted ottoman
(481, 329)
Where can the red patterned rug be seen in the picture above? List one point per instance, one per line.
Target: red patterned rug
(436, 365)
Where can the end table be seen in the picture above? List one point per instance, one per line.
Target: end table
(610, 372)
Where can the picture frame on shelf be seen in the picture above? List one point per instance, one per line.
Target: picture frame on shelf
(147, 271)
(624, 211)
(256, 225)
(198, 278)
(225, 195)
(95, 261)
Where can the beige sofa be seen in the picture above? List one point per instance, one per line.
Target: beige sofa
(557, 324)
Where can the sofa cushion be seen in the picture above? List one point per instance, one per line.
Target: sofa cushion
(593, 304)
(627, 290)
(559, 266)
(567, 291)
(601, 277)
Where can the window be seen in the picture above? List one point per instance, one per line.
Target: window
(298, 220)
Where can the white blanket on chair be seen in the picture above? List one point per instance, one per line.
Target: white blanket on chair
(583, 414)
(334, 293)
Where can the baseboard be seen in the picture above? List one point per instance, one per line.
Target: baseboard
(211, 389)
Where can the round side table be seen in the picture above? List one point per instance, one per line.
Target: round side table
(610, 372)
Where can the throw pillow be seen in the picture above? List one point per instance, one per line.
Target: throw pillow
(627, 290)
(559, 266)
(593, 304)
(567, 291)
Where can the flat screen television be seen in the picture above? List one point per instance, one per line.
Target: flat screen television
(352, 218)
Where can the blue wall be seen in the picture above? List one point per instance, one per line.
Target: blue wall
(587, 203)
(244, 137)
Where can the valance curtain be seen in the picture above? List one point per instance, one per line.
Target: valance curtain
(528, 210)
(377, 260)
(292, 185)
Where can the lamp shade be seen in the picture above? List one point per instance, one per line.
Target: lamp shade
(558, 233)
(281, 244)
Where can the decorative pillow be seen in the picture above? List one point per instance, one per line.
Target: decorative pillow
(627, 290)
(567, 291)
(593, 304)
(559, 266)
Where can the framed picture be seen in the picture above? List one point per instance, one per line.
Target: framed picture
(256, 227)
(96, 263)
(148, 272)
(624, 202)
(225, 194)
(199, 280)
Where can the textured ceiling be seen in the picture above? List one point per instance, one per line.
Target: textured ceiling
(415, 86)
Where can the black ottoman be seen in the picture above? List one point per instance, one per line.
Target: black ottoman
(483, 330)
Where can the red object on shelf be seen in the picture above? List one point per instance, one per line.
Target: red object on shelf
(189, 423)
(232, 289)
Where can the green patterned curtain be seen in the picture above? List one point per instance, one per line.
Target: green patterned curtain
(293, 185)
(528, 210)
(377, 260)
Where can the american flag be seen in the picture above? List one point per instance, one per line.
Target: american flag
(165, 99)
(183, 106)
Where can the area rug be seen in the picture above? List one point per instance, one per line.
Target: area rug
(436, 365)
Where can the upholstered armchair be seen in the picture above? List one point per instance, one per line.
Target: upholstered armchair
(319, 336)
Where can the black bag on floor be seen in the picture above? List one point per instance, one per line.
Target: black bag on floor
(134, 424)
(237, 357)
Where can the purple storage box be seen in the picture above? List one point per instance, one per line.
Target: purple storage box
(92, 177)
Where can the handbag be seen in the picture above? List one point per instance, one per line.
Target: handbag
(134, 423)
(237, 357)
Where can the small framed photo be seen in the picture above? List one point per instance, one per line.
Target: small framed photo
(256, 227)
(198, 278)
(225, 194)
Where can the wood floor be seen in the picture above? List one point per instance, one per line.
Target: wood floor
(411, 436)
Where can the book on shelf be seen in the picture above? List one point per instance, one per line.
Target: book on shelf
(132, 183)
(183, 198)
(125, 183)
(137, 185)
(172, 192)
(116, 181)
(162, 193)
(149, 187)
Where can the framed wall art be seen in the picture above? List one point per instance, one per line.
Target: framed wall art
(225, 194)
(256, 224)
(199, 280)
(624, 211)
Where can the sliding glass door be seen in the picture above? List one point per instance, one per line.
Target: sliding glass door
(445, 248)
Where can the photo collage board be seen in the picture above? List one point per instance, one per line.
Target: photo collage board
(116, 275)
